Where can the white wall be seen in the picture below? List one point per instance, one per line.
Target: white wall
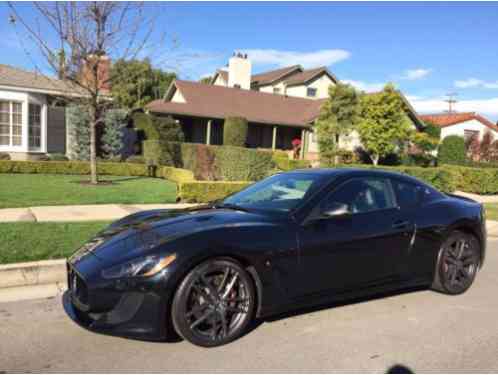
(219, 81)
(321, 85)
(178, 97)
(24, 98)
(459, 129)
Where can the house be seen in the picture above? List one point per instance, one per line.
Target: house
(464, 124)
(30, 122)
(32, 113)
(280, 105)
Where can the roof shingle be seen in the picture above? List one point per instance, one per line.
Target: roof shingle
(447, 119)
(219, 102)
(273, 75)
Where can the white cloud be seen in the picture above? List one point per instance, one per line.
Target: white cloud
(365, 86)
(414, 74)
(306, 59)
(475, 82)
(487, 107)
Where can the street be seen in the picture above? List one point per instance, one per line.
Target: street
(422, 330)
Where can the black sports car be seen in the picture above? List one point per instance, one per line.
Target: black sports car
(292, 240)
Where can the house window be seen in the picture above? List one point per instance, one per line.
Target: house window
(34, 126)
(311, 92)
(276, 90)
(10, 123)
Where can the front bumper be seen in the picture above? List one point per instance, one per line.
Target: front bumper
(138, 311)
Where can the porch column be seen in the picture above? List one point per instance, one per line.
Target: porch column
(274, 138)
(208, 132)
(303, 143)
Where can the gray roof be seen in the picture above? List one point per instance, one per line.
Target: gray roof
(19, 78)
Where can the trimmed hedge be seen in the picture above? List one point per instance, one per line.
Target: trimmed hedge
(207, 191)
(211, 163)
(72, 167)
(452, 150)
(474, 180)
(177, 175)
(235, 131)
(285, 164)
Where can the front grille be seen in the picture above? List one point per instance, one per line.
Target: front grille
(77, 286)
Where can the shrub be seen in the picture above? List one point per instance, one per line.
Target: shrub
(4, 156)
(452, 150)
(142, 121)
(57, 157)
(139, 159)
(235, 131)
(78, 122)
(208, 191)
(285, 164)
(112, 139)
(474, 180)
(211, 162)
(169, 130)
(176, 174)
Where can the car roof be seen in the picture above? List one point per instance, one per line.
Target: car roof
(351, 172)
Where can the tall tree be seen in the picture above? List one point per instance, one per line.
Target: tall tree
(339, 116)
(76, 39)
(384, 126)
(136, 83)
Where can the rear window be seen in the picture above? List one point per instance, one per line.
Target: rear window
(407, 194)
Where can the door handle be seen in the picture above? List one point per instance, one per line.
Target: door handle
(401, 224)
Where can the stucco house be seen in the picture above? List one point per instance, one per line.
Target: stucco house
(280, 105)
(31, 123)
(463, 124)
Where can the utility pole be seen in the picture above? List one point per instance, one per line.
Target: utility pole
(451, 100)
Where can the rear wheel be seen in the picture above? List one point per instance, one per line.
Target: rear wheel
(457, 264)
(214, 303)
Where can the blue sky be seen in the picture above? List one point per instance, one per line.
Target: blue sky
(426, 49)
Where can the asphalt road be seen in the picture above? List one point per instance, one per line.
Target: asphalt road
(423, 331)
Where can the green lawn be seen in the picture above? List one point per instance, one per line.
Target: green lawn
(28, 190)
(491, 211)
(26, 242)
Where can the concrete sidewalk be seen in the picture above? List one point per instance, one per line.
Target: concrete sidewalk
(79, 213)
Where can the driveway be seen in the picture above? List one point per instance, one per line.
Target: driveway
(423, 331)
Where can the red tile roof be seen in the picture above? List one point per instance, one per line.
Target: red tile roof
(447, 119)
(219, 102)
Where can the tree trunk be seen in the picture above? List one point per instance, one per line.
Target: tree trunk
(375, 159)
(93, 146)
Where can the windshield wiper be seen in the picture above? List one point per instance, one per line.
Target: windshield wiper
(231, 206)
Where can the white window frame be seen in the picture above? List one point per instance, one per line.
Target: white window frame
(11, 146)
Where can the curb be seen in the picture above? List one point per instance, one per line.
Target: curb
(33, 273)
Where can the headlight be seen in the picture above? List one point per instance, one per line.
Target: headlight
(145, 266)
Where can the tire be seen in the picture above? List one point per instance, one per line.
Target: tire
(457, 263)
(214, 303)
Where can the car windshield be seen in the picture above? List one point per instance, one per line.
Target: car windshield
(281, 192)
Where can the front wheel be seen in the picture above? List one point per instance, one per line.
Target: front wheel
(457, 264)
(214, 303)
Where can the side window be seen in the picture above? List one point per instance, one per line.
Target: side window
(362, 195)
(407, 195)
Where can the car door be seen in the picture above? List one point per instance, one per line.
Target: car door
(363, 248)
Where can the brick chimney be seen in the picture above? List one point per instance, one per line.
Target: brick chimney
(239, 71)
(103, 72)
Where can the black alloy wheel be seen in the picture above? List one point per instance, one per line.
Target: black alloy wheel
(458, 263)
(214, 303)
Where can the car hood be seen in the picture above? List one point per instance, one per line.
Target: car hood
(141, 233)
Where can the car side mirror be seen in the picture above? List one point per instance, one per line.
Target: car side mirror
(335, 209)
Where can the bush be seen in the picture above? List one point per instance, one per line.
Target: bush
(474, 180)
(208, 191)
(283, 163)
(452, 150)
(57, 157)
(112, 139)
(78, 122)
(4, 156)
(139, 159)
(176, 174)
(235, 131)
(158, 128)
(211, 162)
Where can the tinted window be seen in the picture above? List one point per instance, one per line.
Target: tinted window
(362, 195)
(407, 194)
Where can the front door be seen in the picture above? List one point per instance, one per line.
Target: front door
(364, 248)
